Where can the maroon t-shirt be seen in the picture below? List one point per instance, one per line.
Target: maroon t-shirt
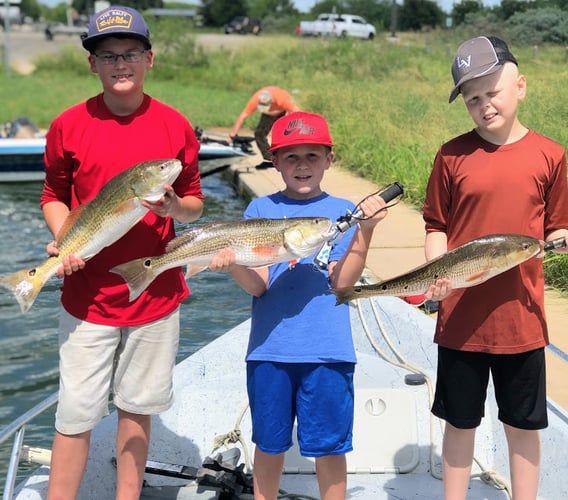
(477, 188)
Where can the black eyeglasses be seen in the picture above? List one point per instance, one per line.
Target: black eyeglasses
(132, 56)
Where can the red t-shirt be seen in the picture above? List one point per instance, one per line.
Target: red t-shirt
(477, 188)
(87, 146)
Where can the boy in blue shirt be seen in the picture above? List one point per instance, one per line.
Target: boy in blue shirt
(300, 357)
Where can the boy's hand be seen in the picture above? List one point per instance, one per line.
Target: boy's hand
(439, 290)
(167, 205)
(374, 211)
(69, 264)
(223, 261)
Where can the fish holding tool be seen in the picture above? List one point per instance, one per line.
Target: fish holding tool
(553, 245)
(388, 193)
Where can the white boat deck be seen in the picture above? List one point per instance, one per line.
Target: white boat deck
(397, 441)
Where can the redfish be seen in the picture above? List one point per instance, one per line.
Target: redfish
(256, 242)
(467, 265)
(98, 223)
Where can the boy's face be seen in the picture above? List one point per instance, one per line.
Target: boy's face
(122, 76)
(302, 167)
(492, 100)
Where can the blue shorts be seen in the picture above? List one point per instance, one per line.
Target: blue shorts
(319, 396)
(519, 381)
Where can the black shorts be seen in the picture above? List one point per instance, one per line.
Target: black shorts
(519, 381)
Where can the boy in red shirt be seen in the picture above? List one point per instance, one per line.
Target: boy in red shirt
(106, 342)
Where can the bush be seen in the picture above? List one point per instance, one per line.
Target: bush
(535, 27)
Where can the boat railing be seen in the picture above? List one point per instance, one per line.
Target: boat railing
(17, 429)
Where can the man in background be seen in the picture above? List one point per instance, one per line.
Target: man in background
(272, 103)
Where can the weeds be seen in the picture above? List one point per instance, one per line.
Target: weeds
(387, 104)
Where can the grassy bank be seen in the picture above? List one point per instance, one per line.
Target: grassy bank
(386, 103)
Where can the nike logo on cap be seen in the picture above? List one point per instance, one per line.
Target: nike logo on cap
(298, 125)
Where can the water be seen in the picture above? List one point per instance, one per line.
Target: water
(28, 343)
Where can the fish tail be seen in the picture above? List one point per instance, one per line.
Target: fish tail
(137, 274)
(343, 295)
(25, 285)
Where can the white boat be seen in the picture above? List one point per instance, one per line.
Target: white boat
(397, 441)
(21, 159)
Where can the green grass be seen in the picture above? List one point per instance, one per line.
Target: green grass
(386, 104)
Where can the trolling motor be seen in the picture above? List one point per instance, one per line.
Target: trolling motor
(388, 193)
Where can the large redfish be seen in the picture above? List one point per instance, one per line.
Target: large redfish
(467, 265)
(98, 223)
(256, 242)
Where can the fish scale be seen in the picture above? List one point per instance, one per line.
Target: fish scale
(256, 242)
(467, 265)
(98, 223)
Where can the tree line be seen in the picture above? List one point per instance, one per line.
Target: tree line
(520, 21)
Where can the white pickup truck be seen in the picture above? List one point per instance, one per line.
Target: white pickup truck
(339, 25)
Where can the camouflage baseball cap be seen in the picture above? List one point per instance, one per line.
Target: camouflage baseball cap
(264, 101)
(478, 57)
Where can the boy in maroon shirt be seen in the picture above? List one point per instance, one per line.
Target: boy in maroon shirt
(500, 177)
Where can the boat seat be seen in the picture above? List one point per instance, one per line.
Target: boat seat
(385, 435)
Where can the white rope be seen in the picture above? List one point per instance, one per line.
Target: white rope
(234, 436)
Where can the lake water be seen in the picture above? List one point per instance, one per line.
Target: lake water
(28, 343)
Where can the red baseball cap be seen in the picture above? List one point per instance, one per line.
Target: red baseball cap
(300, 127)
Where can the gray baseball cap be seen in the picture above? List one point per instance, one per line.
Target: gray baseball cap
(478, 57)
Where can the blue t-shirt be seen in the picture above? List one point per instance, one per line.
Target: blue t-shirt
(296, 319)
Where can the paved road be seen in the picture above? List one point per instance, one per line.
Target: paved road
(21, 45)
(26, 43)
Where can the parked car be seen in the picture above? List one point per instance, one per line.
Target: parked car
(339, 25)
(243, 25)
(53, 29)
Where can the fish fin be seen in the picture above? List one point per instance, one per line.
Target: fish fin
(193, 270)
(69, 221)
(478, 277)
(25, 285)
(266, 250)
(183, 239)
(127, 206)
(137, 274)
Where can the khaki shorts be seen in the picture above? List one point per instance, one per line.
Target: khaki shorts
(136, 363)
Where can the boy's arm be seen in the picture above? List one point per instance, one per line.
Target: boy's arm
(253, 281)
(55, 213)
(436, 244)
(348, 269)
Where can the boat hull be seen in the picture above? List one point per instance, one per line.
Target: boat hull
(21, 160)
(397, 441)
